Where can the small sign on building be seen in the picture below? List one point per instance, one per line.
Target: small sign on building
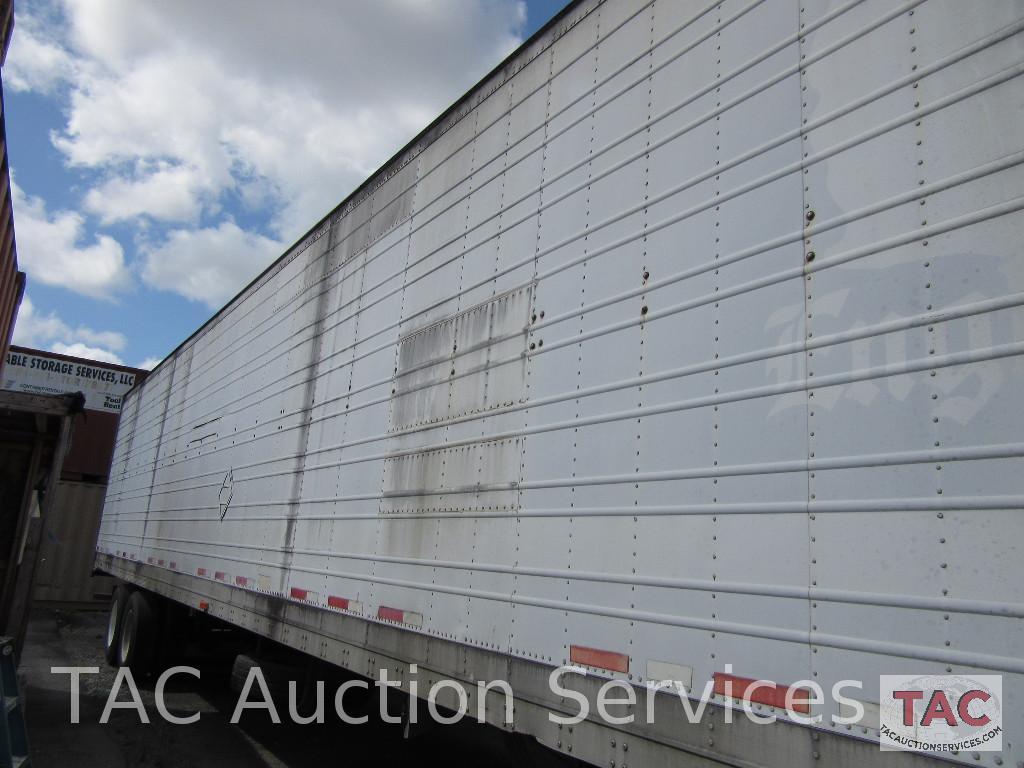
(47, 373)
(104, 385)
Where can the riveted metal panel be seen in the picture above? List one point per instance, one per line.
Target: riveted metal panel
(689, 338)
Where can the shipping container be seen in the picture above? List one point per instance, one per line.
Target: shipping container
(686, 346)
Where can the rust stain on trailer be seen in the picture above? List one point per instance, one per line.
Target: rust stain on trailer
(469, 363)
(466, 364)
(312, 368)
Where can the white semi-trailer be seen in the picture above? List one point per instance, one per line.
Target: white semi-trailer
(686, 346)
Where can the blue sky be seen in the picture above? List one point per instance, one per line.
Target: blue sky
(164, 153)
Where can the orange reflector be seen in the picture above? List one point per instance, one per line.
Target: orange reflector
(203, 605)
(765, 692)
(595, 657)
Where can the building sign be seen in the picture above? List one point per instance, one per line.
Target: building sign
(41, 374)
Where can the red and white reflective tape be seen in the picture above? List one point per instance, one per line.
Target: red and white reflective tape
(200, 571)
(220, 576)
(173, 566)
(762, 692)
(344, 604)
(149, 560)
(399, 616)
(241, 581)
(612, 661)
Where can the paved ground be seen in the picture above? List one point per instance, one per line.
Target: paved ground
(76, 639)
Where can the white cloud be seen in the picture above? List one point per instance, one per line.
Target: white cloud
(193, 115)
(35, 63)
(150, 363)
(209, 265)
(79, 349)
(172, 193)
(47, 331)
(51, 249)
(35, 330)
(181, 103)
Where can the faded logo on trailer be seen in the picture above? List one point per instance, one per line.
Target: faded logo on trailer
(227, 492)
(941, 713)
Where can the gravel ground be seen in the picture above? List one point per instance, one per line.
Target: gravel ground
(68, 638)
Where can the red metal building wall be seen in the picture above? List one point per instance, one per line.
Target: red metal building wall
(12, 282)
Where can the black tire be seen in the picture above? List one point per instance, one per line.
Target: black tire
(275, 674)
(136, 648)
(113, 637)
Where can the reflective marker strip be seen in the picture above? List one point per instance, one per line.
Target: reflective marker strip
(870, 719)
(299, 594)
(200, 571)
(410, 618)
(173, 565)
(354, 606)
(595, 657)
(679, 675)
(159, 562)
(220, 576)
(241, 581)
(203, 605)
(149, 560)
(390, 614)
(767, 692)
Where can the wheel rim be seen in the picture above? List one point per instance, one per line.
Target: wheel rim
(112, 624)
(127, 631)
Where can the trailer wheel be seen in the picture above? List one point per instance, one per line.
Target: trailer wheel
(118, 600)
(137, 644)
